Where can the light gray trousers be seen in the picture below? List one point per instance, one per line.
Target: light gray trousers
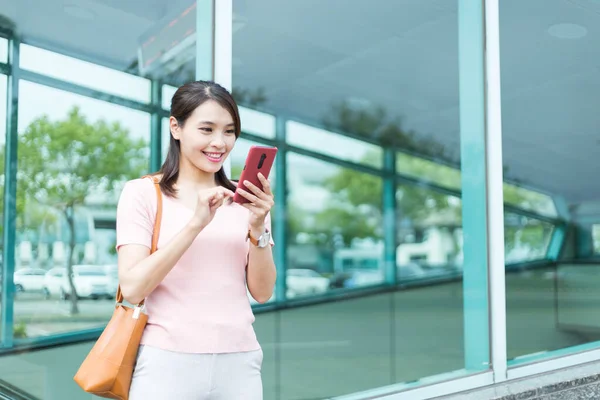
(166, 375)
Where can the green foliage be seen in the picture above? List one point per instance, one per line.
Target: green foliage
(20, 330)
(236, 171)
(62, 162)
(374, 124)
(356, 187)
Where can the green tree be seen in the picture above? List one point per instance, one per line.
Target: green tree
(62, 162)
(374, 124)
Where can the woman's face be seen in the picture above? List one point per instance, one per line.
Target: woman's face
(207, 136)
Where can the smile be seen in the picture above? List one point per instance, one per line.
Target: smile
(214, 157)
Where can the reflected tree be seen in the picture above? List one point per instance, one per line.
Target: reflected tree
(62, 162)
(374, 124)
(415, 203)
(249, 97)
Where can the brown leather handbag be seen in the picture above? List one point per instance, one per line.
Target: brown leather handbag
(108, 368)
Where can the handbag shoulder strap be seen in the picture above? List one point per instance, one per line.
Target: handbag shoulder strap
(155, 231)
(158, 219)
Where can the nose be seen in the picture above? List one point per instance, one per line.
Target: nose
(218, 141)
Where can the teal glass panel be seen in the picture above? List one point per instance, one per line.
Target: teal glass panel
(381, 106)
(550, 98)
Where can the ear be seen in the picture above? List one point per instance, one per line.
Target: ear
(175, 128)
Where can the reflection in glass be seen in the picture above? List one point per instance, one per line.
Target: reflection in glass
(429, 252)
(429, 234)
(577, 293)
(333, 144)
(84, 73)
(525, 239)
(167, 94)
(426, 170)
(596, 238)
(3, 81)
(165, 139)
(335, 228)
(257, 123)
(529, 200)
(74, 155)
(552, 271)
(3, 50)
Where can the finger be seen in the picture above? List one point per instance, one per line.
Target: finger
(254, 209)
(215, 196)
(256, 190)
(266, 184)
(226, 192)
(249, 196)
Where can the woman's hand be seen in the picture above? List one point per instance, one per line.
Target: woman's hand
(261, 202)
(209, 200)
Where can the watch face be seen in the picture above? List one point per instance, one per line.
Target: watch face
(263, 240)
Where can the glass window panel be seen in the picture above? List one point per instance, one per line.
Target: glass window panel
(3, 116)
(335, 228)
(71, 148)
(596, 237)
(374, 78)
(3, 50)
(3, 82)
(429, 254)
(257, 123)
(548, 81)
(529, 200)
(426, 170)
(525, 239)
(577, 292)
(333, 144)
(167, 94)
(429, 234)
(84, 73)
(165, 138)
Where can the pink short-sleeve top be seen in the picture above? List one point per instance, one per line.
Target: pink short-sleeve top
(202, 305)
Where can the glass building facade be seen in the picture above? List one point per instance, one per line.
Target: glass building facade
(425, 244)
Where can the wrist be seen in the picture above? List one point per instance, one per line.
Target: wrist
(195, 227)
(258, 230)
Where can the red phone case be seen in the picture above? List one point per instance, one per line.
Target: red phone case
(260, 159)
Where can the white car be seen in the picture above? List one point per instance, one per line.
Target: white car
(91, 281)
(29, 280)
(301, 282)
(304, 281)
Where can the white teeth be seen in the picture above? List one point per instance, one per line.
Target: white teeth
(214, 155)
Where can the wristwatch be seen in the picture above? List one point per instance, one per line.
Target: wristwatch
(262, 241)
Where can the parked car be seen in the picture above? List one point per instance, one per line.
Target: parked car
(304, 281)
(29, 280)
(91, 281)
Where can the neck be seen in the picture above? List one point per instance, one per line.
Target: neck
(189, 175)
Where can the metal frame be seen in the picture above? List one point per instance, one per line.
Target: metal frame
(495, 198)
(10, 196)
(428, 388)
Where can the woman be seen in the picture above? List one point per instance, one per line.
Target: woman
(199, 342)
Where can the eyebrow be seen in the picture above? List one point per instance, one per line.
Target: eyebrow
(212, 123)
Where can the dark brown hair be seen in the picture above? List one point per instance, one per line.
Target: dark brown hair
(185, 100)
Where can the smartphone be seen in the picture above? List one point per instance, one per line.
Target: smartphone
(259, 159)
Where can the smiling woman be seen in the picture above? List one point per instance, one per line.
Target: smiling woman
(204, 126)
(209, 251)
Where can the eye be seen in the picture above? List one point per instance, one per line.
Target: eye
(206, 129)
(230, 132)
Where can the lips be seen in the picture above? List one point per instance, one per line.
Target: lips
(213, 157)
